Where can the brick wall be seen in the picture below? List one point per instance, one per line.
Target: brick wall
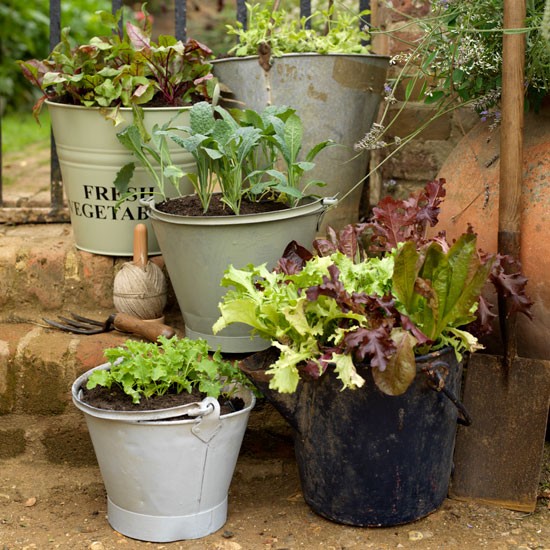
(420, 161)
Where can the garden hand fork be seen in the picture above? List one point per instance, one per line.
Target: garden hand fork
(122, 322)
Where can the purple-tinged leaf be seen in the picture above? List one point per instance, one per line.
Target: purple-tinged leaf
(138, 39)
(512, 287)
(192, 45)
(333, 288)
(345, 241)
(395, 221)
(400, 369)
(407, 324)
(203, 79)
(293, 259)
(326, 247)
(311, 368)
(374, 345)
(483, 324)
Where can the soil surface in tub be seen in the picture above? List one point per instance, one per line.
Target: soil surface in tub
(114, 399)
(190, 205)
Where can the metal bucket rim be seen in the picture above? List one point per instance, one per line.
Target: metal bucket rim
(433, 355)
(305, 54)
(147, 416)
(313, 206)
(52, 102)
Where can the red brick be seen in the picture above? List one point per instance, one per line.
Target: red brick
(89, 352)
(418, 161)
(45, 276)
(414, 116)
(97, 278)
(8, 255)
(44, 372)
(10, 335)
(409, 8)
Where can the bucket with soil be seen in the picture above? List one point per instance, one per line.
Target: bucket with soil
(167, 468)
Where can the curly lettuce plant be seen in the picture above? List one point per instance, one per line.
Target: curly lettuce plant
(125, 69)
(377, 293)
(147, 369)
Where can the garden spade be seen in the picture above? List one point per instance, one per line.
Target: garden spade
(498, 458)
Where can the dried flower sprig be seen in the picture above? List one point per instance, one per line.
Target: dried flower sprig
(457, 62)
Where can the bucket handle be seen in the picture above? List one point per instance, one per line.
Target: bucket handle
(327, 203)
(436, 374)
(208, 423)
(147, 203)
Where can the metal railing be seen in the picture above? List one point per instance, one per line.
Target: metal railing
(57, 212)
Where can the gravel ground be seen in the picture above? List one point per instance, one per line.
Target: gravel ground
(45, 506)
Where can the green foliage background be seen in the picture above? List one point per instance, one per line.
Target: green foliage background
(24, 32)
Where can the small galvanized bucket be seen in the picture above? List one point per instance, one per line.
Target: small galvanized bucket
(166, 480)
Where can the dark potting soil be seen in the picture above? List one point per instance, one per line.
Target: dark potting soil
(190, 205)
(114, 399)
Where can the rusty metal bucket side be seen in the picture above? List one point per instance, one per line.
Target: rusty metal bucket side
(337, 97)
(366, 458)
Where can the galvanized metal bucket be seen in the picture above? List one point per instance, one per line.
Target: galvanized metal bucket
(166, 480)
(90, 157)
(337, 97)
(198, 249)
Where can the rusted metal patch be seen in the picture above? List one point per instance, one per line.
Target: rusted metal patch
(361, 76)
(316, 94)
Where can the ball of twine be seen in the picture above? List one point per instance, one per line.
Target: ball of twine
(140, 292)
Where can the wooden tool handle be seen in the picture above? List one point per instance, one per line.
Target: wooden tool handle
(511, 144)
(148, 329)
(140, 245)
(511, 157)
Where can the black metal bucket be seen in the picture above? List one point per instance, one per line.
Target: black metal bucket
(369, 459)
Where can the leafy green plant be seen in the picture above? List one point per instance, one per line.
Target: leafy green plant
(123, 71)
(153, 154)
(331, 31)
(146, 369)
(24, 31)
(377, 293)
(238, 150)
(461, 52)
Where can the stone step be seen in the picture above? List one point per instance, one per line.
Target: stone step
(42, 270)
(37, 368)
(42, 274)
